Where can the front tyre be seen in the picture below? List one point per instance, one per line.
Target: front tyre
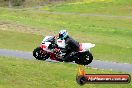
(40, 54)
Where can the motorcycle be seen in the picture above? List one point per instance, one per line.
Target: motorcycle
(52, 48)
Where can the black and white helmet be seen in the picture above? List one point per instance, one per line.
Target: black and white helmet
(63, 34)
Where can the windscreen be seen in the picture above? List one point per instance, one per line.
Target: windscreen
(48, 39)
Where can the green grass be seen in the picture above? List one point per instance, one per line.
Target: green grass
(19, 73)
(109, 7)
(112, 36)
(19, 31)
(19, 41)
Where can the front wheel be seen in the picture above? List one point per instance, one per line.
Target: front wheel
(40, 54)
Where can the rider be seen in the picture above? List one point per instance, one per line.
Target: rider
(71, 47)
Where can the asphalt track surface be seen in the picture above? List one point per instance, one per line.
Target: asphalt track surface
(119, 67)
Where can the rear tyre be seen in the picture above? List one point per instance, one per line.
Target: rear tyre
(88, 58)
(40, 54)
(85, 58)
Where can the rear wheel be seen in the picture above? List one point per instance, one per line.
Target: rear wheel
(40, 54)
(88, 58)
(85, 58)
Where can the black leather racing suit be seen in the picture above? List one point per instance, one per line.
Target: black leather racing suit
(71, 47)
